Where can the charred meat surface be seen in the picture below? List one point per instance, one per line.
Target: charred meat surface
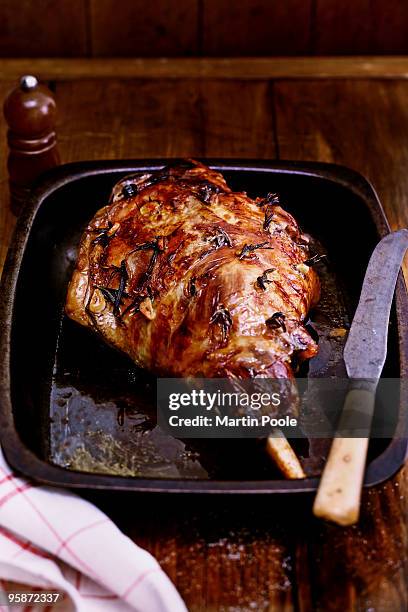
(192, 279)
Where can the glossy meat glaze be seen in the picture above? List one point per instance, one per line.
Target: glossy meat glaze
(192, 279)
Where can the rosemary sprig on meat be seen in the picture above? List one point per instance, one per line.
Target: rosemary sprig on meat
(204, 190)
(270, 199)
(250, 248)
(102, 238)
(276, 321)
(134, 305)
(268, 218)
(138, 300)
(314, 260)
(122, 286)
(156, 246)
(115, 296)
(219, 240)
(222, 239)
(147, 246)
(145, 277)
(110, 294)
(263, 280)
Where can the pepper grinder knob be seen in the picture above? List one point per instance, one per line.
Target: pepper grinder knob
(30, 113)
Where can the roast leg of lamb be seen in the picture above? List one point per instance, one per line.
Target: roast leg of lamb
(190, 278)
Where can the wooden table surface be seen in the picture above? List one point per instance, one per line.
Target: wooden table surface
(229, 553)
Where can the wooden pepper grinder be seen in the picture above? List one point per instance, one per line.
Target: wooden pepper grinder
(30, 113)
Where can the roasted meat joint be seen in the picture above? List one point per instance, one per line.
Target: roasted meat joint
(190, 278)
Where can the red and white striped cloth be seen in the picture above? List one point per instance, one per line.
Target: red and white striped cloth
(53, 540)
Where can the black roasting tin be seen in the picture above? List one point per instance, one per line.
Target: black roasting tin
(75, 413)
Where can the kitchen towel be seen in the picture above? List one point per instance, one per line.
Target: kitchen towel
(52, 540)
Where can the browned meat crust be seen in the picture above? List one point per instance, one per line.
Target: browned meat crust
(192, 279)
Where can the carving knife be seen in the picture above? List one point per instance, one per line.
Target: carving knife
(339, 493)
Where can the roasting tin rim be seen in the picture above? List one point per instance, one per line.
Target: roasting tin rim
(24, 461)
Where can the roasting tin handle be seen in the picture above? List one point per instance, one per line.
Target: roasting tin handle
(30, 113)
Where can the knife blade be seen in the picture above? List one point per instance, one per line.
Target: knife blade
(366, 347)
(339, 493)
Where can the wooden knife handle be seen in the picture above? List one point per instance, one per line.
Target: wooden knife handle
(339, 494)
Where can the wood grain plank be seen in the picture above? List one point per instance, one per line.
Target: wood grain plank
(44, 28)
(364, 125)
(209, 68)
(113, 119)
(68, 28)
(342, 28)
(390, 27)
(238, 119)
(140, 28)
(256, 27)
(361, 26)
(367, 563)
(165, 118)
(222, 554)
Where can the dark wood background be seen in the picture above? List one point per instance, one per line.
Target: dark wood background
(147, 28)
